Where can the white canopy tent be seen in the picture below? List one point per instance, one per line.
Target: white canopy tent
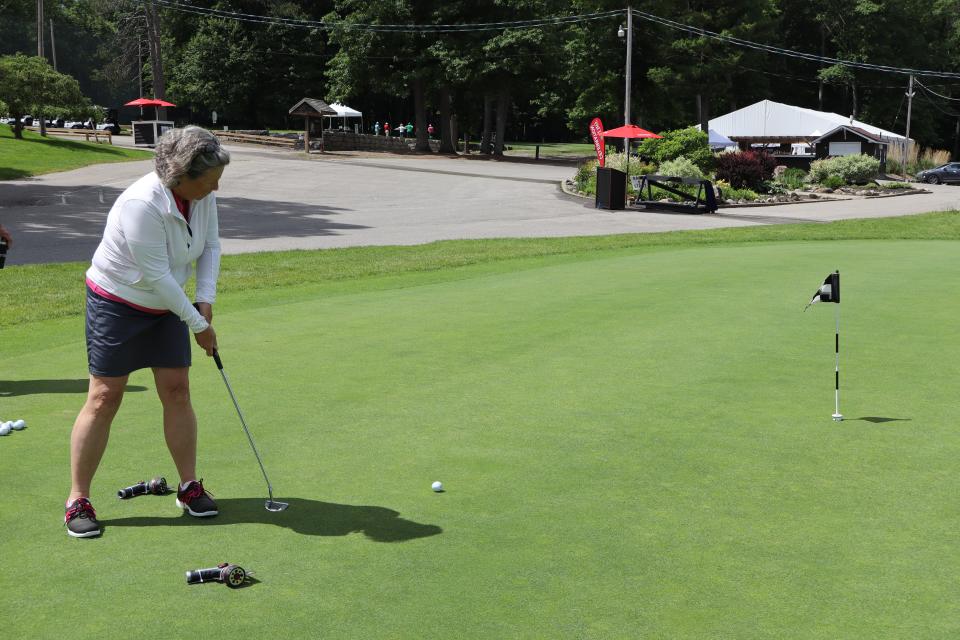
(344, 112)
(774, 121)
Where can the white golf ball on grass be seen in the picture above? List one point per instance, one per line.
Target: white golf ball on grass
(437, 486)
(18, 425)
(5, 429)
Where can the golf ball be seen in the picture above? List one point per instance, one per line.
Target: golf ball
(5, 429)
(437, 486)
(19, 425)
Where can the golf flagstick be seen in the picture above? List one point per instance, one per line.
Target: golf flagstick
(271, 504)
(829, 291)
(837, 416)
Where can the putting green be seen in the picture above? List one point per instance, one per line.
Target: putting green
(634, 444)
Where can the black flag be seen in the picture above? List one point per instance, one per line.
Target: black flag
(829, 291)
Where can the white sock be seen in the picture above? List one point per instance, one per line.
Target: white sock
(183, 485)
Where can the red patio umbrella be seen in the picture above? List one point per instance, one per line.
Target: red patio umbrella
(629, 132)
(149, 102)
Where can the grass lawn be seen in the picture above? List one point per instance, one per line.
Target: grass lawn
(35, 155)
(553, 149)
(634, 435)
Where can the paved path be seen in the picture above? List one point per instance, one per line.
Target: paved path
(274, 200)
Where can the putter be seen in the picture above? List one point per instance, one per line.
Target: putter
(271, 504)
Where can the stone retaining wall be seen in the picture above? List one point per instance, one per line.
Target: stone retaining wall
(346, 141)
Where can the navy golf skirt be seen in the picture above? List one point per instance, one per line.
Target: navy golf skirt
(121, 339)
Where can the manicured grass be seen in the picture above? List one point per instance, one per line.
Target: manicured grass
(56, 290)
(35, 155)
(553, 149)
(635, 440)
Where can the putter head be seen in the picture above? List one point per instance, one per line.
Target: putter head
(273, 505)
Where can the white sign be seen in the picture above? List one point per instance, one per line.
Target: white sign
(213, 117)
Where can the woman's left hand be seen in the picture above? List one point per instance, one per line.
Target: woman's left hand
(206, 310)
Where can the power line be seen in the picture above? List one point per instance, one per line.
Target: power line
(177, 5)
(929, 90)
(789, 52)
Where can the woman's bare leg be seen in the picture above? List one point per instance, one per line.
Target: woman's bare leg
(91, 431)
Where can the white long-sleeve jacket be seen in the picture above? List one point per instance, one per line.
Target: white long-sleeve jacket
(148, 249)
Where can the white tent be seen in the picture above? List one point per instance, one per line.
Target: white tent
(775, 121)
(344, 112)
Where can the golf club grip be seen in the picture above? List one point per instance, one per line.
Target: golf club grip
(216, 358)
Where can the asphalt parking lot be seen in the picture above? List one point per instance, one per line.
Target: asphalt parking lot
(274, 200)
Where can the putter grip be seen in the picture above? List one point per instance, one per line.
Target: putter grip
(216, 358)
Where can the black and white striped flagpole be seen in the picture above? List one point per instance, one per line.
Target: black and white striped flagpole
(837, 416)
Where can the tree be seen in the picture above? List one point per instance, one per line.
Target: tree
(701, 67)
(28, 84)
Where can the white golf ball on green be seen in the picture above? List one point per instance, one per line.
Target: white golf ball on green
(18, 425)
(437, 486)
(5, 429)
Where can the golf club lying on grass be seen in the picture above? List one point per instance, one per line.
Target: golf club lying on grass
(271, 504)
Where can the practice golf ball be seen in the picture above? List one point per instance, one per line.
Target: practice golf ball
(5, 429)
(19, 425)
(437, 486)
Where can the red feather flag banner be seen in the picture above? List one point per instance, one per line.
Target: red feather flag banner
(596, 132)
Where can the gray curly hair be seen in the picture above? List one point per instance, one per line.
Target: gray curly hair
(190, 152)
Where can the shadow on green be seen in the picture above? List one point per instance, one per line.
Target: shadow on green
(307, 517)
(73, 145)
(10, 388)
(9, 173)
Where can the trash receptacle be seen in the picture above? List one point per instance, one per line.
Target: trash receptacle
(611, 188)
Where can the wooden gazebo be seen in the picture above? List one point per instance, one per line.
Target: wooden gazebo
(311, 108)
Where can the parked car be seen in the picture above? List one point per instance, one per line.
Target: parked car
(112, 127)
(73, 124)
(949, 172)
(27, 121)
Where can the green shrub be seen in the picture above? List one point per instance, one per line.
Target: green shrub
(586, 178)
(833, 182)
(856, 169)
(896, 185)
(690, 143)
(793, 178)
(730, 193)
(772, 187)
(682, 167)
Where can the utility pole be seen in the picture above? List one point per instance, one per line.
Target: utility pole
(53, 46)
(910, 93)
(156, 60)
(43, 125)
(140, 69)
(40, 28)
(626, 101)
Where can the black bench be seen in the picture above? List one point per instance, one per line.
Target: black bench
(704, 201)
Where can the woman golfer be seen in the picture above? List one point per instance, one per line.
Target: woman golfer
(138, 315)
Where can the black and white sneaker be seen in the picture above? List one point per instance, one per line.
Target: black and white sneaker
(81, 519)
(195, 499)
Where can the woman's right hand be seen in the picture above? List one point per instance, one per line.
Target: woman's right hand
(207, 339)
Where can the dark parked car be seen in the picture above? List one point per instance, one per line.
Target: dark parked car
(949, 172)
